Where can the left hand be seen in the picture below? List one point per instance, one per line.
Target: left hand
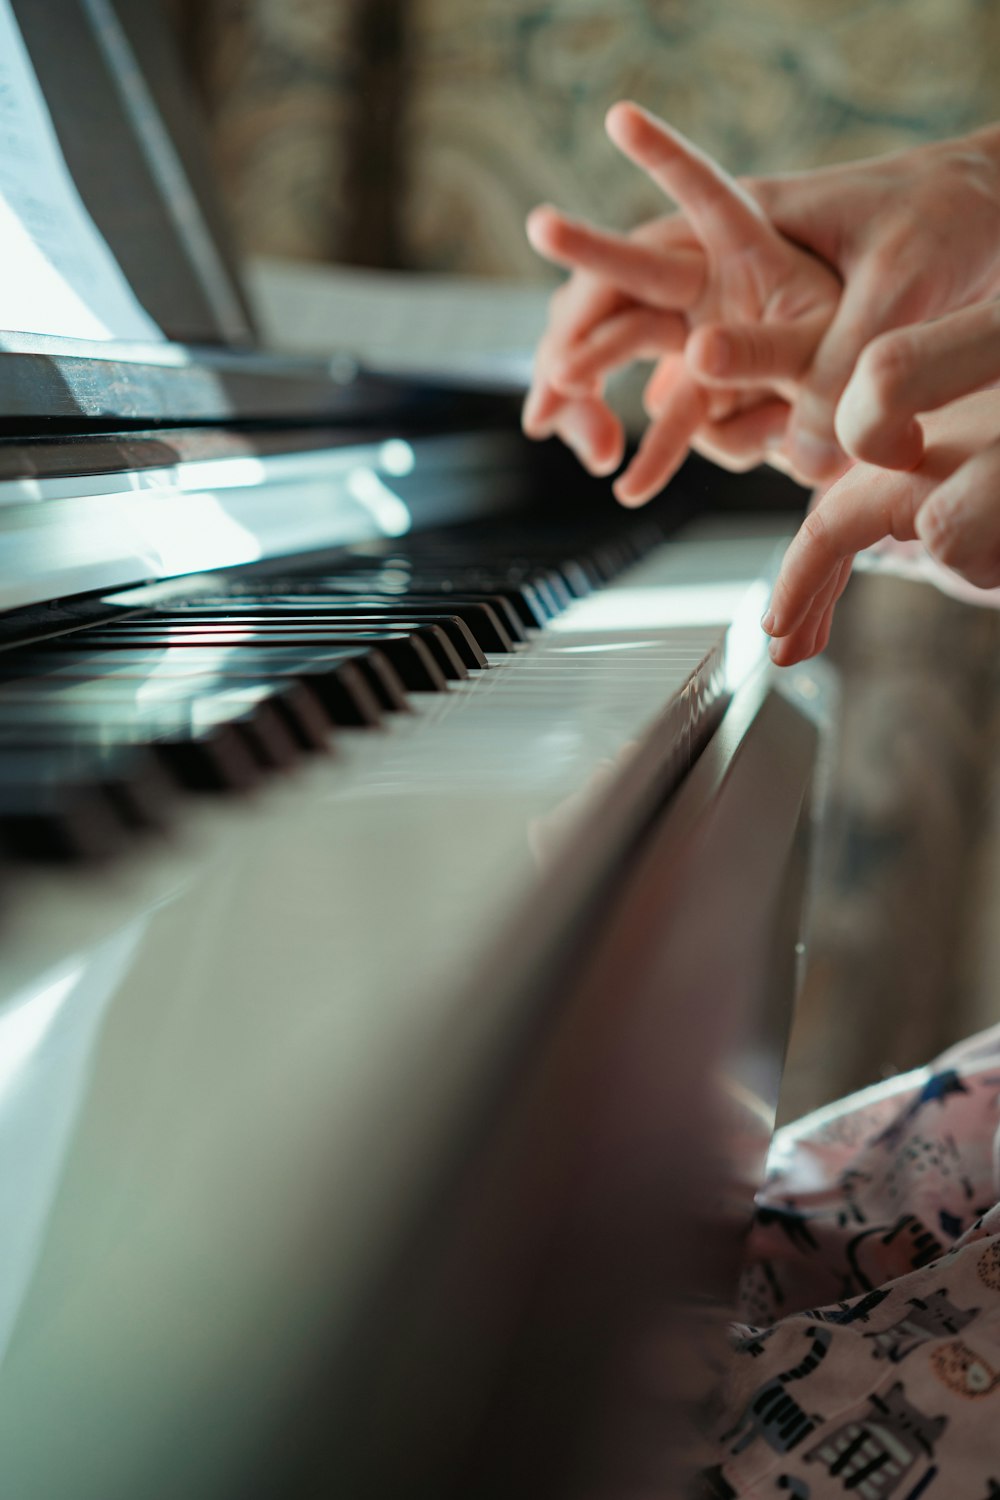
(748, 275)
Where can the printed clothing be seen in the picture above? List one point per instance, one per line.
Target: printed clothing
(869, 1363)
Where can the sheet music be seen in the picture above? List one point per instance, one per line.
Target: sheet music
(452, 328)
(58, 274)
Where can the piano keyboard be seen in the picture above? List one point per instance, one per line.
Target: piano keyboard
(238, 1051)
(211, 692)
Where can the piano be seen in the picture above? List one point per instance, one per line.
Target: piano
(404, 857)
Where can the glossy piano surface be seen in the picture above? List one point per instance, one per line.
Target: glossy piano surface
(235, 1058)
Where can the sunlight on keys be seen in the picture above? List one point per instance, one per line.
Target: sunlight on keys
(677, 605)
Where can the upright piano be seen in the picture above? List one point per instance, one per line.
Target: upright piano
(402, 880)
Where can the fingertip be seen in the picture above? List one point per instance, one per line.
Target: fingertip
(626, 493)
(636, 131)
(537, 413)
(620, 119)
(785, 652)
(607, 450)
(541, 224)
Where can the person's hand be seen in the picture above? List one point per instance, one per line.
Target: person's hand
(578, 414)
(950, 501)
(911, 371)
(912, 236)
(661, 293)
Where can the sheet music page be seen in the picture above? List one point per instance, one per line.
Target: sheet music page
(455, 328)
(58, 274)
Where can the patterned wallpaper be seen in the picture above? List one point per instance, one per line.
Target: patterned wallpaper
(281, 82)
(420, 131)
(506, 99)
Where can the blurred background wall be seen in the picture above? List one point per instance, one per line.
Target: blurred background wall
(418, 133)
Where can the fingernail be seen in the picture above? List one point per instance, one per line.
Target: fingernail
(538, 222)
(626, 496)
(768, 622)
(576, 434)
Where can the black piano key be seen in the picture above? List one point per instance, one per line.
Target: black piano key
(350, 686)
(130, 777)
(481, 619)
(266, 611)
(302, 714)
(201, 760)
(208, 760)
(522, 598)
(246, 708)
(511, 626)
(409, 654)
(54, 805)
(306, 635)
(448, 639)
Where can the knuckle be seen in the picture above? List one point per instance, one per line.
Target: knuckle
(816, 545)
(887, 368)
(742, 351)
(816, 535)
(758, 353)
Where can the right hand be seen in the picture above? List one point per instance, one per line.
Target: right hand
(947, 501)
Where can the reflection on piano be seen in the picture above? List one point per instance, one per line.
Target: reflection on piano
(399, 846)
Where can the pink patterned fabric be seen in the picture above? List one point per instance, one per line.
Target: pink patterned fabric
(870, 1360)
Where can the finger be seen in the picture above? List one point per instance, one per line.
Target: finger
(593, 432)
(665, 444)
(873, 302)
(753, 353)
(913, 370)
(813, 635)
(866, 505)
(673, 281)
(960, 523)
(660, 385)
(640, 333)
(719, 210)
(823, 634)
(540, 410)
(747, 439)
(579, 305)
